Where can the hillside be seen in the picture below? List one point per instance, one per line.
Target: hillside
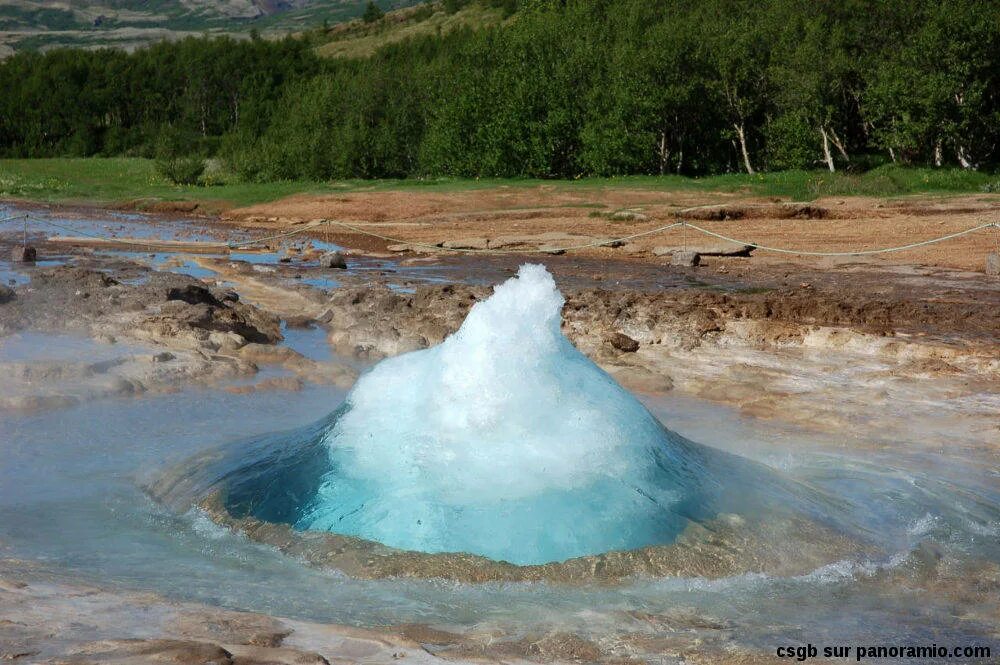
(45, 24)
(356, 39)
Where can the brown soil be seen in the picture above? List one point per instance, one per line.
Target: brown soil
(831, 224)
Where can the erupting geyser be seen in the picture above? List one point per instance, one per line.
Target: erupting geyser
(504, 441)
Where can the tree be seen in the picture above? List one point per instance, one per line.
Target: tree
(736, 50)
(372, 13)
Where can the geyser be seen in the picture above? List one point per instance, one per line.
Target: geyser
(505, 441)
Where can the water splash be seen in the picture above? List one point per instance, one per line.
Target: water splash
(504, 441)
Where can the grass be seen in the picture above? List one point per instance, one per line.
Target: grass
(359, 40)
(117, 180)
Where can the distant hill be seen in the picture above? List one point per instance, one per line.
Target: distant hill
(45, 24)
(357, 39)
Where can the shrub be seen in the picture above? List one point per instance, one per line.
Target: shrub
(181, 170)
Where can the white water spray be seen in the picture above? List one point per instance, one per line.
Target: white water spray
(504, 441)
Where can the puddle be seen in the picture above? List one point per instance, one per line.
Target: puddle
(310, 342)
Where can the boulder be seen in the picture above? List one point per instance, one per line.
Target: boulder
(6, 294)
(193, 294)
(26, 254)
(687, 259)
(333, 260)
(623, 342)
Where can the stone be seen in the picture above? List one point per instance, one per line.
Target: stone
(6, 294)
(726, 249)
(993, 264)
(623, 342)
(333, 260)
(686, 259)
(25, 254)
(193, 294)
(628, 216)
(162, 357)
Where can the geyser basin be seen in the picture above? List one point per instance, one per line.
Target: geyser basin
(504, 441)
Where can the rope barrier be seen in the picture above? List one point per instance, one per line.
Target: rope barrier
(613, 241)
(538, 250)
(132, 243)
(860, 252)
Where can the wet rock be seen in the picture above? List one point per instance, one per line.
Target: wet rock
(260, 655)
(226, 295)
(250, 323)
(26, 254)
(231, 627)
(277, 383)
(623, 342)
(993, 264)
(333, 260)
(183, 652)
(193, 295)
(6, 294)
(686, 259)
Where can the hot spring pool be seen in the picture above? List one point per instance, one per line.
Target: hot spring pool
(75, 494)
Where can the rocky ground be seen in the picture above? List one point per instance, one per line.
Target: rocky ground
(519, 218)
(887, 348)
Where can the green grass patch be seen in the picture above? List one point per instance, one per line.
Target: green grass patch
(114, 180)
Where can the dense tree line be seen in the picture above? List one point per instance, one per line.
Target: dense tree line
(563, 88)
(79, 102)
